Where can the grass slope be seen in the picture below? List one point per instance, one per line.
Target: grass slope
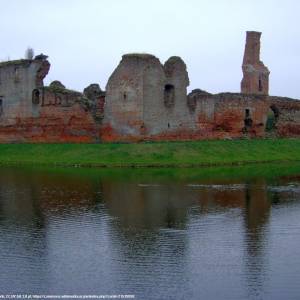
(160, 154)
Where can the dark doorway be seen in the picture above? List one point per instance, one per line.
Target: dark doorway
(248, 122)
(169, 95)
(247, 113)
(1, 106)
(36, 96)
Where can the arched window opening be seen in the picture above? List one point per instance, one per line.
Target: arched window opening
(260, 87)
(17, 75)
(36, 97)
(58, 100)
(272, 117)
(169, 95)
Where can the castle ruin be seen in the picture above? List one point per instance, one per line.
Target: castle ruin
(144, 100)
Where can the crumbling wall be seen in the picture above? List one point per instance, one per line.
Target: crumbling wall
(228, 115)
(95, 96)
(286, 116)
(152, 101)
(165, 111)
(255, 73)
(17, 81)
(177, 114)
(52, 126)
(238, 115)
(124, 95)
(57, 115)
(146, 100)
(63, 115)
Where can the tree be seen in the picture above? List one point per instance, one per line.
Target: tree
(29, 53)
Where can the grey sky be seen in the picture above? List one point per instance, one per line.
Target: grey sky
(86, 39)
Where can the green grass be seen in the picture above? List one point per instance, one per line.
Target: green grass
(160, 154)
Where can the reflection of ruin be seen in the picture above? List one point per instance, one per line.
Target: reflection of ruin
(257, 213)
(18, 199)
(140, 202)
(257, 209)
(147, 205)
(23, 230)
(144, 202)
(145, 99)
(125, 225)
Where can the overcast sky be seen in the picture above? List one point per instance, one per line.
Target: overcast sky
(85, 39)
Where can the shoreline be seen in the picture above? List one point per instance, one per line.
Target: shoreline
(146, 166)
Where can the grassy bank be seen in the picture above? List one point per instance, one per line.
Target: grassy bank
(162, 154)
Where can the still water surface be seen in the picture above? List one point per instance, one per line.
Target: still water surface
(157, 234)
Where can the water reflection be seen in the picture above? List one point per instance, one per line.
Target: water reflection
(151, 234)
(257, 213)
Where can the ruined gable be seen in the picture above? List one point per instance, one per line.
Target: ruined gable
(255, 73)
(177, 80)
(134, 96)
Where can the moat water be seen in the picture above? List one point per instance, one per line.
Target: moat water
(215, 233)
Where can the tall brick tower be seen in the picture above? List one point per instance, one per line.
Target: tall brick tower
(255, 73)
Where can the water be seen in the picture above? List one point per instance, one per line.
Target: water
(157, 234)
